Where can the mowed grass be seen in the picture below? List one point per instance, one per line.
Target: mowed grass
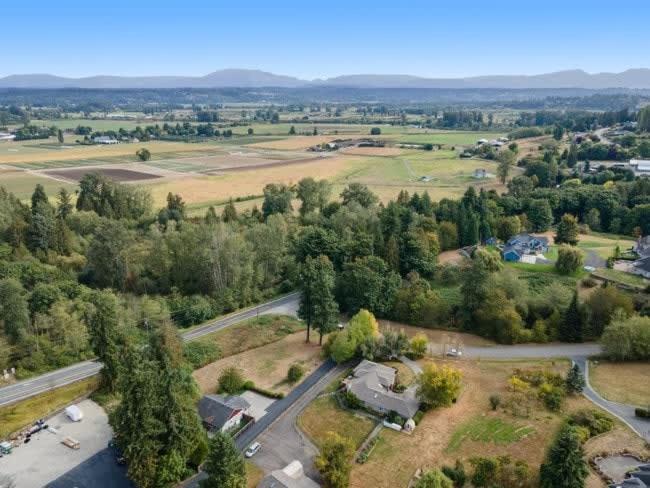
(622, 382)
(492, 430)
(323, 415)
(452, 138)
(19, 415)
(253, 333)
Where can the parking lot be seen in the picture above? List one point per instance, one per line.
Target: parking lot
(45, 461)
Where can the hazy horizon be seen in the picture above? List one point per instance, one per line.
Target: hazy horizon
(310, 42)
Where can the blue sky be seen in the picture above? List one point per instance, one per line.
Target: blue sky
(313, 39)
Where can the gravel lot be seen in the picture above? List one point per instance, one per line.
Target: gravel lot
(44, 460)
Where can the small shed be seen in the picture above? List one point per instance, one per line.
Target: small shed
(74, 413)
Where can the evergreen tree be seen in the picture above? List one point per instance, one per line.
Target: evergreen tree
(14, 311)
(572, 156)
(572, 325)
(392, 253)
(64, 206)
(575, 381)
(104, 329)
(211, 217)
(229, 213)
(225, 465)
(59, 136)
(564, 466)
(317, 305)
(38, 197)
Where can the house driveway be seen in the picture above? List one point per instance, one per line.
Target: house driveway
(259, 404)
(283, 441)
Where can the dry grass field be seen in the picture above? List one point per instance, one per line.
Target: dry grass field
(373, 151)
(205, 189)
(22, 152)
(622, 382)
(267, 365)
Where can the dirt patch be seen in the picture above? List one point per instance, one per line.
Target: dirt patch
(373, 151)
(438, 336)
(115, 174)
(450, 257)
(266, 366)
(264, 164)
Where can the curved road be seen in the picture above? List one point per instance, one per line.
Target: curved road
(21, 390)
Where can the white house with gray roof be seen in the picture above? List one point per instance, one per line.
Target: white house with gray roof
(373, 385)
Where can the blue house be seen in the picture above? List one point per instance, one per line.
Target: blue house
(523, 244)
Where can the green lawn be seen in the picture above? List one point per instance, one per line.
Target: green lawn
(488, 430)
(622, 277)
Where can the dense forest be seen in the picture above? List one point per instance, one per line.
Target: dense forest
(164, 267)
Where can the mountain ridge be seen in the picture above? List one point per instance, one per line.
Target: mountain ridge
(251, 78)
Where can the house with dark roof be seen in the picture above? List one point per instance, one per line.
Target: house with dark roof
(642, 247)
(292, 476)
(641, 267)
(222, 413)
(524, 245)
(639, 478)
(373, 384)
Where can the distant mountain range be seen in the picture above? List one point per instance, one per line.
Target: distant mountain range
(246, 78)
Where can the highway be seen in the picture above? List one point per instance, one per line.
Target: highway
(21, 390)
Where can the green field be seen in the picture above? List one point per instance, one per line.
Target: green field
(488, 430)
(22, 184)
(453, 138)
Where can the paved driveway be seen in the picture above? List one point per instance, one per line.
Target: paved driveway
(259, 404)
(283, 442)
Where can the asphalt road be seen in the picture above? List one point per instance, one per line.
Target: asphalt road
(21, 390)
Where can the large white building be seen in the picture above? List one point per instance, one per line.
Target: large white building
(641, 165)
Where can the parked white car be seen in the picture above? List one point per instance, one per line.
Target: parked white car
(454, 353)
(252, 449)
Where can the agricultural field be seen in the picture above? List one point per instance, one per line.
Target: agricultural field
(211, 172)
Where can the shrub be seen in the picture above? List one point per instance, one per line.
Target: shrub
(231, 381)
(575, 381)
(569, 260)
(456, 474)
(627, 339)
(589, 282)
(552, 396)
(295, 373)
(642, 412)
(375, 131)
(594, 421)
(350, 400)
(419, 345)
(249, 385)
(418, 417)
(495, 401)
(434, 479)
(143, 154)
(394, 418)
